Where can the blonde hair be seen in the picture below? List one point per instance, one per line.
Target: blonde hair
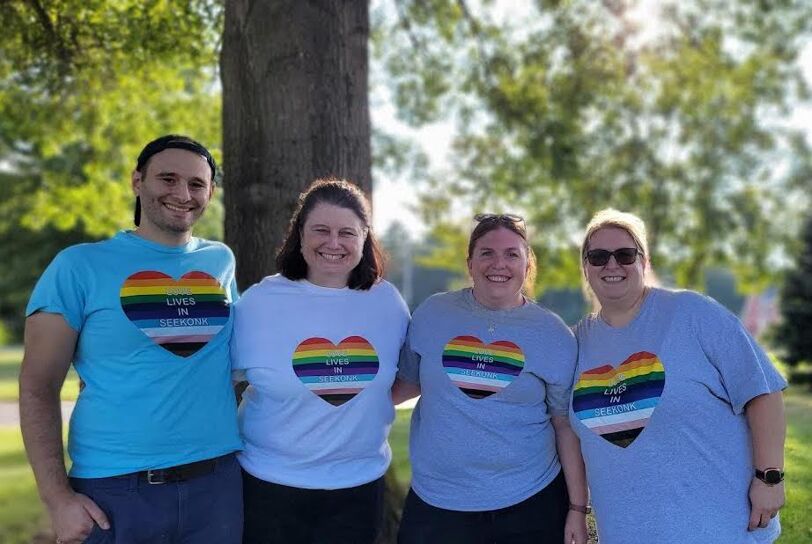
(612, 218)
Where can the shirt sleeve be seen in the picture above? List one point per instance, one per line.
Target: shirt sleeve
(559, 385)
(60, 291)
(409, 361)
(745, 369)
(239, 336)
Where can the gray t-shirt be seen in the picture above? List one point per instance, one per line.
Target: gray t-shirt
(481, 436)
(659, 408)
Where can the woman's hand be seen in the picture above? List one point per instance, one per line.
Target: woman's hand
(575, 528)
(765, 502)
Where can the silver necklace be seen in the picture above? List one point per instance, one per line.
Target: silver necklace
(493, 318)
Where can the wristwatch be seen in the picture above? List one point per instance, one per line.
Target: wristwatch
(579, 508)
(770, 475)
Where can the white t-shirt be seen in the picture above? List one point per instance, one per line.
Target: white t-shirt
(320, 363)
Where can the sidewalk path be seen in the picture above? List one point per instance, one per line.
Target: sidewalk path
(10, 413)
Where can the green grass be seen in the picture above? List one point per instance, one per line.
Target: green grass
(21, 514)
(10, 359)
(796, 516)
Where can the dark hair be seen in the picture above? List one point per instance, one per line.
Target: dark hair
(341, 193)
(515, 224)
(169, 141)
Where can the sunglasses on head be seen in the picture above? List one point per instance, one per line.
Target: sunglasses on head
(499, 217)
(624, 255)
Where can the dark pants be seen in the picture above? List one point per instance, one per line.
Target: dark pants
(203, 509)
(278, 514)
(537, 520)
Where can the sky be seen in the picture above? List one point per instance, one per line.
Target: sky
(394, 199)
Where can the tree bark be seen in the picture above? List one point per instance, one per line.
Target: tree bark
(295, 108)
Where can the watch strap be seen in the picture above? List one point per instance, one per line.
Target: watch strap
(580, 508)
(770, 475)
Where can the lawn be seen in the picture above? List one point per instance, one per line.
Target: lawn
(10, 370)
(20, 509)
(21, 514)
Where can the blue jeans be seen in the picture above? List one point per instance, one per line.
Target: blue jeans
(203, 509)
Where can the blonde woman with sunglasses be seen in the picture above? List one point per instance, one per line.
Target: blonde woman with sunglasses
(678, 410)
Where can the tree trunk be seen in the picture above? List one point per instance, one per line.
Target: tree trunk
(295, 108)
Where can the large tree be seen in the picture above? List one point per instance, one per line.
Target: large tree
(295, 108)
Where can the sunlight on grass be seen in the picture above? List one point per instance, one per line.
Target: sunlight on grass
(20, 509)
(796, 517)
(10, 359)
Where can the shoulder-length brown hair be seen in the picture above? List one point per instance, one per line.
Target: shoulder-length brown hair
(341, 193)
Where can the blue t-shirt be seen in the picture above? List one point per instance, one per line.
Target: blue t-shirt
(659, 408)
(481, 436)
(154, 324)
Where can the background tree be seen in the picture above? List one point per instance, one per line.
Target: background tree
(295, 108)
(584, 104)
(795, 331)
(83, 85)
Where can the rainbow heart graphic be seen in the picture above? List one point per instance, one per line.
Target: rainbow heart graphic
(617, 403)
(181, 316)
(335, 373)
(481, 370)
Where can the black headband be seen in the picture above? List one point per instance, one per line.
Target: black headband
(174, 141)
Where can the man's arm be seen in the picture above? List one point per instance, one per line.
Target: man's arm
(49, 346)
(765, 416)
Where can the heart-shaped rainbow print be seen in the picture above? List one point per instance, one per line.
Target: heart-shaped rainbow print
(616, 403)
(336, 373)
(181, 316)
(481, 370)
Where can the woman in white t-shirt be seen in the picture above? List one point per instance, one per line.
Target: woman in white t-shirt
(318, 344)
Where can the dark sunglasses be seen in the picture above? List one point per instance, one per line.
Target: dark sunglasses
(498, 217)
(624, 255)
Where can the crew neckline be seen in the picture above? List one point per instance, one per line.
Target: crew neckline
(644, 308)
(131, 237)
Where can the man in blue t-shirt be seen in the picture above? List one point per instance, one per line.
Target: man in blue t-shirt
(145, 318)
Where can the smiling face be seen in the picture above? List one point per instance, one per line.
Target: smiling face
(498, 266)
(174, 188)
(613, 283)
(332, 244)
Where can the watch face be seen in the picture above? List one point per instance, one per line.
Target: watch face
(772, 476)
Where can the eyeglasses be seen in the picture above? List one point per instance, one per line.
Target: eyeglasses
(624, 255)
(498, 217)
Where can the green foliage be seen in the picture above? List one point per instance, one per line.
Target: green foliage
(796, 304)
(583, 105)
(83, 86)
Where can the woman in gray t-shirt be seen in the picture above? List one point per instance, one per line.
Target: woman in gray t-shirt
(494, 371)
(678, 410)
